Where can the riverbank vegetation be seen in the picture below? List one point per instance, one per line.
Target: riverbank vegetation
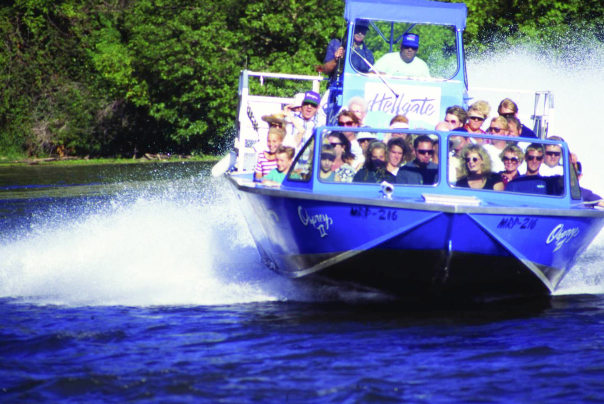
(129, 77)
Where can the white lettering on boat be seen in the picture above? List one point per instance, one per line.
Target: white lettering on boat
(561, 236)
(418, 103)
(320, 222)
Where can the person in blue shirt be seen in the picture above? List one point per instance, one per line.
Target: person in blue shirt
(335, 51)
(284, 157)
(509, 109)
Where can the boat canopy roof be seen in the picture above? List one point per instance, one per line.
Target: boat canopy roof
(419, 11)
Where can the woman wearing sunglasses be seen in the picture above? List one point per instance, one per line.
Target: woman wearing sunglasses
(512, 156)
(343, 163)
(476, 170)
(477, 113)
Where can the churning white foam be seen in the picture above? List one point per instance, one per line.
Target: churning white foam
(171, 248)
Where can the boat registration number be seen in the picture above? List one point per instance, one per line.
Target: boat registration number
(365, 212)
(523, 223)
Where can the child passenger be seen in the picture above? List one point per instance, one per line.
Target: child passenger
(328, 155)
(267, 159)
(284, 156)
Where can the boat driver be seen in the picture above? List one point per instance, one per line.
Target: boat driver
(335, 51)
(404, 63)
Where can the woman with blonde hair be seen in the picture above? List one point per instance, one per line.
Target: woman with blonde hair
(476, 170)
(512, 156)
(477, 113)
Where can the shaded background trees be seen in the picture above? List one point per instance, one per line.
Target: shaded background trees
(116, 77)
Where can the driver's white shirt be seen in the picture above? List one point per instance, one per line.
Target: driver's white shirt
(392, 64)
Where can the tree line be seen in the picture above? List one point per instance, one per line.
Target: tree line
(118, 77)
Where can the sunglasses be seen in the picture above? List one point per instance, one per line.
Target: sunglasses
(495, 130)
(531, 158)
(363, 140)
(513, 160)
(473, 159)
(476, 118)
(335, 144)
(409, 47)
(430, 152)
(553, 153)
(508, 115)
(347, 123)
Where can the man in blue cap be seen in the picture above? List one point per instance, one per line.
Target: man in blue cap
(404, 63)
(304, 110)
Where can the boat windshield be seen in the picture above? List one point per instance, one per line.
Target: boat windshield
(428, 50)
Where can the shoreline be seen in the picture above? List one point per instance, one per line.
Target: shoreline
(145, 159)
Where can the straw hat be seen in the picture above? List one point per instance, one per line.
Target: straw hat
(275, 118)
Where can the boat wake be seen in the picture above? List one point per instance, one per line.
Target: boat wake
(167, 247)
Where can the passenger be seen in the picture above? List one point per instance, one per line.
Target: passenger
(514, 126)
(507, 109)
(498, 127)
(476, 172)
(343, 163)
(341, 146)
(306, 118)
(328, 155)
(276, 120)
(284, 157)
(396, 150)
(404, 63)
(398, 122)
(365, 139)
(511, 157)
(532, 182)
(534, 158)
(587, 195)
(350, 120)
(374, 170)
(456, 116)
(335, 51)
(266, 160)
(421, 170)
(477, 113)
(553, 157)
(358, 106)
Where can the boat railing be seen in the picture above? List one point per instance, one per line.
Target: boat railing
(541, 103)
(251, 129)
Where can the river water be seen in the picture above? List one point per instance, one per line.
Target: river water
(141, 283)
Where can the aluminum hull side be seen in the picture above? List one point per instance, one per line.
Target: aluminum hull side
(404, 249)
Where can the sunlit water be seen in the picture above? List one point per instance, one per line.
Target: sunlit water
(152, 290)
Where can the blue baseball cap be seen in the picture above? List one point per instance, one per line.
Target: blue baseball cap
(312, 98)
(411, 40)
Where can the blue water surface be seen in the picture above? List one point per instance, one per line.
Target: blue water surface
(303, 352)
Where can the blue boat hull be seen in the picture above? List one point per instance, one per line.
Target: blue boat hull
(416, 250)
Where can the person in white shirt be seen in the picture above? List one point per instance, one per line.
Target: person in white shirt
(498, 127)
(404, 63)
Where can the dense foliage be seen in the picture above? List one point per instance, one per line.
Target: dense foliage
(124, 76)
